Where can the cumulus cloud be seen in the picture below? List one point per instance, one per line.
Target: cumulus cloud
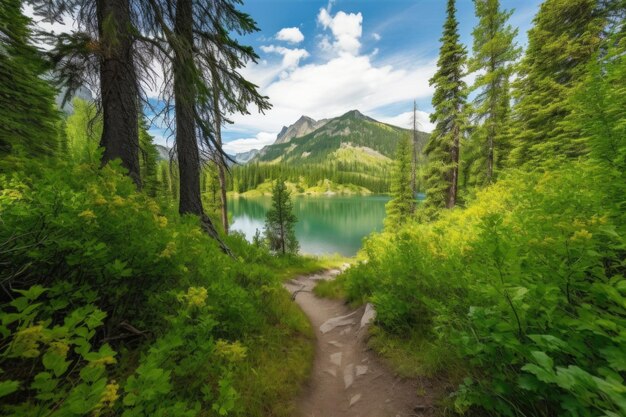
(291, 57)
(405, 120)
(331, 88)
(338, 80)
(346, 29)
(291, 35)
(244, 145)
(376, 37)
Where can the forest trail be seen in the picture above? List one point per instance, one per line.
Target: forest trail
(348, 379)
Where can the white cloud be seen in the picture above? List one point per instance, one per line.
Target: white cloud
(291, 35)
(291, 57)
(405, 120)
(339, 78)
(331, 88)
(244, 145)
(376, 36)
(346, 29)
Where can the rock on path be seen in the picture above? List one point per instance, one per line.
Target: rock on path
(348, 379)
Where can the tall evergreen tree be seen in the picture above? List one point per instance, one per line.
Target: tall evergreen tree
(494, 52)
(561, 43)
(191, 31)
(149, 155)
(402, 203)
(416, 151)
(28, 120)
(443, 148)
(280, 221)
(104, 45)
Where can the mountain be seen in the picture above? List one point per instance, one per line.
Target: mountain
(164, 152)
(352, 137)
(303, 126)
(245, 157)
(352, 153)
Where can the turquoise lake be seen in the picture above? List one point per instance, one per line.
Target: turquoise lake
(326, 224)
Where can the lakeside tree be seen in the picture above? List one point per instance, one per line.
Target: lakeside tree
(561, 43)
(402, 203)
(148, 160)
(192, 32)
(443, 148)
(494, 52)
(416, 151)
(280, 221)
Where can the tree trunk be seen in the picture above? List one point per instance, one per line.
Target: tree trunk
(190, 201)
(118, 86)
(184, 103)
(454, 177)
(221, 164)
(222, 177)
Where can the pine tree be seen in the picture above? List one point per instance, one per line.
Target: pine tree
(280, 221)
(563, 40)
(28, 119)
(103, 48)
(402, 203)
(494, 52)
(598, 106)
(443, 148)
(149, 155)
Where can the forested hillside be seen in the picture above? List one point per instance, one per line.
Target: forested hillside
(508, 282)
(352, 149)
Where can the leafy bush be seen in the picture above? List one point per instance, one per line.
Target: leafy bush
(40, 357)
(527, 284)
(122, 270)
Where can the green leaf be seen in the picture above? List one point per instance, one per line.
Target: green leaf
(8, 387)
(542, 359)
(55, 362)
(33, 292)
(20, 303)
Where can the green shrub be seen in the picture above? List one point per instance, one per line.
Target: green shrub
(187, 320)
(527, 284)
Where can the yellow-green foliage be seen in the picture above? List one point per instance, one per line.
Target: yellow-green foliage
(526, 286)
(194, 329)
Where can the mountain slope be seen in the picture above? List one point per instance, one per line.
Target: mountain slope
(352, 137)
(245, 157)
(303, 126)
(352, 153)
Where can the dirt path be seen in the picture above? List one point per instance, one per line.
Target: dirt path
(348, 380)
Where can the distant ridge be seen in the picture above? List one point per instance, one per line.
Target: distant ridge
(310, 141)
(304, 125)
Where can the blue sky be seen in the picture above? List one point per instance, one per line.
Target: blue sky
(322, 59)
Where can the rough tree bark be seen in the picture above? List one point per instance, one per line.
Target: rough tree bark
(221, 163)
(190, 201)
(118, 86)
(454, 172)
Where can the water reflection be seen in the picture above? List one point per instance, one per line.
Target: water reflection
(325, 224)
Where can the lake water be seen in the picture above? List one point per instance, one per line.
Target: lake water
(326, 225)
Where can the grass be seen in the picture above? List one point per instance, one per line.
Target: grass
(280, 362)
(282, 358)
(305, 265)
(333, 289)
